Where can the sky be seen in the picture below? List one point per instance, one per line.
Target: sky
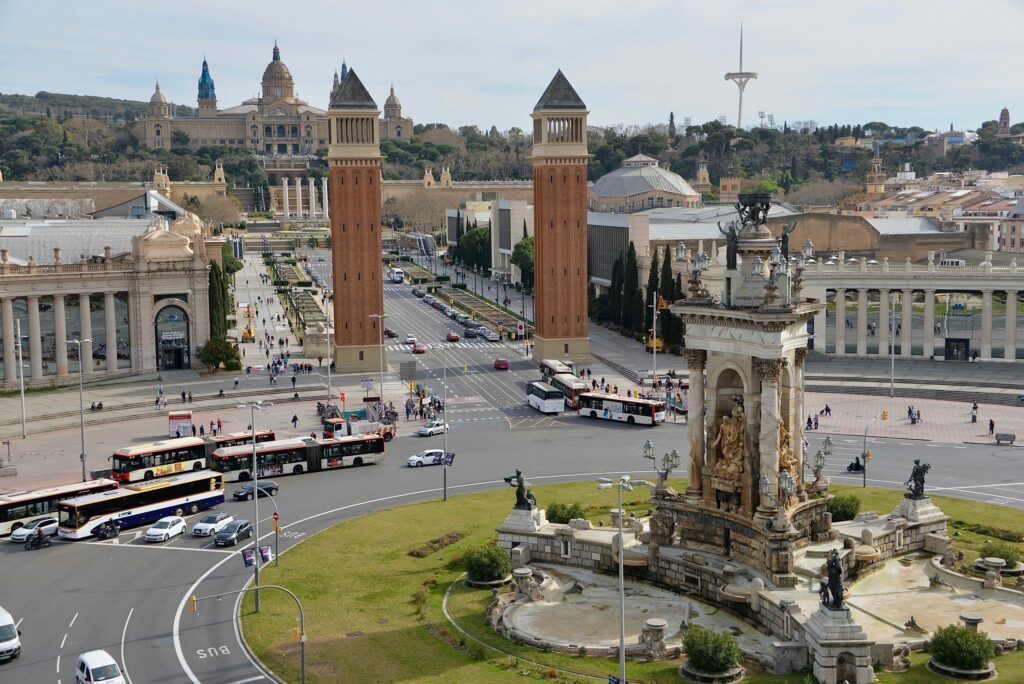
(929, 63)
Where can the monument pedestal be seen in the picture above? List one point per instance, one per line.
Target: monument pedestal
(840, 650)
(522, 520)
(919, 510)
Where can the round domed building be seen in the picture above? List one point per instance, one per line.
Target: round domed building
(640, 183)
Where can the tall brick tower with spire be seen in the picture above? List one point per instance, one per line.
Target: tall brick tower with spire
(560, 223)
(353, 158)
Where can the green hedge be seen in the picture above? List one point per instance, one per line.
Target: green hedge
(562, 513)
(958, 646)
(843, 507)
(487, 563)
(1002, 550)
(711, 651)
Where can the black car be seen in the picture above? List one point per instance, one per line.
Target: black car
(267, 488)
(229, 536)
(388, 332)
(419, 293)
(471, 333)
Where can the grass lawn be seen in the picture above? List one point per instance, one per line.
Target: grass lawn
(373, 613)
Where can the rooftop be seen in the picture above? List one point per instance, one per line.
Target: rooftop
(75, 237)
(638, 175)
(559, 95)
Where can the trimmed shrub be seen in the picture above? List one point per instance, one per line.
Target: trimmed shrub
(487, 563)
(843, 507)
(562, 513)
(711, 651)
(1001, 550)
(958, 646)
(233, 364)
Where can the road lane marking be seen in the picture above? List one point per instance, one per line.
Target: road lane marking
(177, 620)
(73, 621)
(18, 623)
(124, 632)
(250, 679)
(62, 641)
(981, 486)
(58, 664)
(238, 637)
(154, 548)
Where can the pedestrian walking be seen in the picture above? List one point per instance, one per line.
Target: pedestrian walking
(295, 421)
(193, 430)
(236, 382)
(202, 430)
(183, 396)
(293, 382)
(828, 410)
(815, 422)
(220, 426)
(991, 426)
(190, 397)
(177, 432)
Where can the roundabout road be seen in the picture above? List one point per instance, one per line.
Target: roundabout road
(131, 598)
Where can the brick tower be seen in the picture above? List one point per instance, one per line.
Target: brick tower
(560, 223)
(353, 155)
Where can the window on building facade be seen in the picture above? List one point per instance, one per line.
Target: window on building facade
(295, 131)
(280, 131)
(661, 201)
(268, 132)
(282, 148)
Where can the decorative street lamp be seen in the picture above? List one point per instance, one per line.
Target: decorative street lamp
(826, 446)
(819, 465)
(81, 400)
(765, 489)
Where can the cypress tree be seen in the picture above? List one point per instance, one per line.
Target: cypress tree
(216, 304)
(652, 292)
(667, 290)
(678, 329)
(632, 300)
(615, 293)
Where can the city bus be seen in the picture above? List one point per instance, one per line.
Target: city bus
(140, 503)
(571, 386)
(552, 367)
(545, 398)
(396, 275)
(625, 409)
(18, 508)
(170, 456)
(299, 455)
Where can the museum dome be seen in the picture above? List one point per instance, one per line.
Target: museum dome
(392, 100)
(158, 97)
(277, 79)
(638, 175)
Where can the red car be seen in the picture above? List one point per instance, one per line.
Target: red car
(419, 348)
(452, 337)
(500, 364)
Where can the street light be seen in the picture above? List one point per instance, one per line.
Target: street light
(330, 357)
(21, 375)
(81, 400)
(626, 483)
(255, 498)
(380, 325)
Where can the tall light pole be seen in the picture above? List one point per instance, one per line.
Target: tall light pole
(256, 502)
(626, 483)
(444, 417)
(654, 342)
(380, 325)
(81, 401)
(330, 357)
(21, 375)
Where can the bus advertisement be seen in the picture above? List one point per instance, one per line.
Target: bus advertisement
(296, 456)
(18, 508)
(623, 409)
(140, 503)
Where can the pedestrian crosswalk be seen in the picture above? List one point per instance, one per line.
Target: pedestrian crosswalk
(454, 345)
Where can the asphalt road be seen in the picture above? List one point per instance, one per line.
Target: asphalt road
(130, 598)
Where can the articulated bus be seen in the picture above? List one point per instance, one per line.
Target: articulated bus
(141, 503)
(17, 508)
(549, 368)
(625, 409)
(296, 456)
(170, 456)
(571, 386)
(545, 398)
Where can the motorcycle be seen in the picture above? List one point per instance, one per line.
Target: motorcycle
(37, 542)
(855, 467)
(108, 531)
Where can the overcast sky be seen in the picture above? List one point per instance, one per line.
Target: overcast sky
(920, 62)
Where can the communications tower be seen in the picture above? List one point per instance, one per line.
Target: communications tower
(740, 78)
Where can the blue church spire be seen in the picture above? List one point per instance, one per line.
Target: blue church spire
(344, 70)
(206, 89)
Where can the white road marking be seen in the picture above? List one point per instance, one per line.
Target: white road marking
(58, 664)
(124, 632)
(238, 637)
(62, 641)
(155, 548)
(250, 679)
(177, 620)
(73, 621)
(18, 623)
(981, 486)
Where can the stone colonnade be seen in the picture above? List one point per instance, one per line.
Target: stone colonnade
(898, 320)
(316, 204)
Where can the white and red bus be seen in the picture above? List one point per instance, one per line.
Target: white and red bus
(177, 455)
(571, 387)
(299, 455)
(17, 508)
(549, 368)
(623, 409)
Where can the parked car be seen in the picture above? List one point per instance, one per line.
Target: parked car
(454, 313)
(471, 333)
(211, 524)
(432, 427)
(165, 528)
(429, 299)
(417, 292)
(492, 336)
(235, 530)
(30, 529)
(98, 666)
(452, 336)
(410, 339)
(388, 332)
(428, 457)
(267, 488)
(501, 364)
(437, 304)
(419, 348)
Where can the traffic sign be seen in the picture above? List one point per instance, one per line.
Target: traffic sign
(275, 512)
(341, 396)
(520, 327)
(500, 322)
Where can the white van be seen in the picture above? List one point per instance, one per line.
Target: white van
(10, 643)
(97, 666)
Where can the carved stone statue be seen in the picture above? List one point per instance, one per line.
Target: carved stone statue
(834, 569)
(731, 234)
(787, 228)
(915, 484)
(524, 497)
(787, 459)
(733, 448)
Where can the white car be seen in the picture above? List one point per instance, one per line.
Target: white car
(432, 427)
(211, 524)
(165, 528)
(492, 336)
(410, 339)
(28, 530)
(428, 457)
(98, 666)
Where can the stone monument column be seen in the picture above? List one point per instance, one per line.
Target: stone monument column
(840, 322)
(312, 198)
(85, 333)
(907, 323)
(35, 345)
(696, 361)
(883, 322)
(60, 334)
(298, 197)
(10, 349)
(986, 325)
(929, 324)
(1010, 336)
(110, 330)
(862, 321)
(796, 409)
(768, 442)
(324, 199)
(284, 193)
